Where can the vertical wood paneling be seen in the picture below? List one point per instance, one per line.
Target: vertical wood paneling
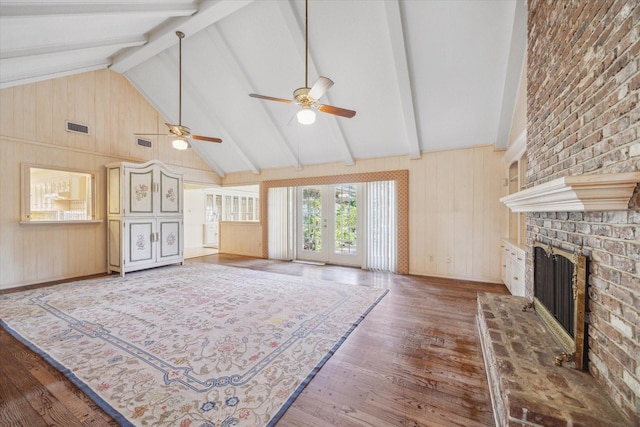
(478, 195)
(29, 96)
(59, 101)
(101, 118)
(44, 111)
(7, 119)
(463, 229)
(32, 130)
(85, 109)
(418, 223)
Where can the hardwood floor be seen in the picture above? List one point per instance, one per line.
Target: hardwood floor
(415, 360)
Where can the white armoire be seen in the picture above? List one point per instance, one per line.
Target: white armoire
(146, 219)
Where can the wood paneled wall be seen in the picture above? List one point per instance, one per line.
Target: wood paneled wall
(241, 238)
(32, 130)
(456, 221)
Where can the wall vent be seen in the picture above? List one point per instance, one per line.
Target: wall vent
(144, 143)
(77, 128)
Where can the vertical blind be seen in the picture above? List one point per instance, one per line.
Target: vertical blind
(281, 230)
(382, 241)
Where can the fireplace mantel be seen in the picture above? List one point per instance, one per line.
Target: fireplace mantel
(598, 192)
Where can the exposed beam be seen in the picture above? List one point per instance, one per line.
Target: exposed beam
(297, 33)
(515, 68)
(149, 9)
(201, 102)
(51, 73)
(53, 49)
(241, 75)
(403, 76)
(209, 12)
(213, 165)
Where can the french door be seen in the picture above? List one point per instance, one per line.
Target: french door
(330, 224)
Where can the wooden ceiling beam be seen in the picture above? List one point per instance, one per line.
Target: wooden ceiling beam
(209, 12)
(149, 9)
(403, 77)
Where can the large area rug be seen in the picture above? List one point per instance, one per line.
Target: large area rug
(198, 345)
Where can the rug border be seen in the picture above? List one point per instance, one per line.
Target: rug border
(285, 406)
(95, 398)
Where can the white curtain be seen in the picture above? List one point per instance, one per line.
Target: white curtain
(280, 224)
(382, 241)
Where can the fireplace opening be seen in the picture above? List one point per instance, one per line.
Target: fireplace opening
(560, 298)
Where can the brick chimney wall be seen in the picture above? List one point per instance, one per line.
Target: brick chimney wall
(583, 117)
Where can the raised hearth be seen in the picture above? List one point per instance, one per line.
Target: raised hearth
(527, 389)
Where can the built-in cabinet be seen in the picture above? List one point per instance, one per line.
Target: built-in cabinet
(228, 204)
(517, 181)
(146, 222)
(513, 268)
(513, 247)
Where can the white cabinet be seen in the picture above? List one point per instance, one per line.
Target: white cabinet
(146, 223)
(513, 268)
(211, 234)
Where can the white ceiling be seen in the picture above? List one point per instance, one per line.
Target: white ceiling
(423, 75)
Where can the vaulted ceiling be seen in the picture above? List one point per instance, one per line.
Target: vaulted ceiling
(423, 75)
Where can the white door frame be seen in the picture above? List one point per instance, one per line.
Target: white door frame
(327, 227)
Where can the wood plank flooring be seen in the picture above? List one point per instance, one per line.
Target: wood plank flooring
(415, 360)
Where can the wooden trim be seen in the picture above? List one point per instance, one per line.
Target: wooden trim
(62, 221)
(583, 193)
(401, 178)
(517, 149)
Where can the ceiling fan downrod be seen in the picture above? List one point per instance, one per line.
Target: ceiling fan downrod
(180, 35)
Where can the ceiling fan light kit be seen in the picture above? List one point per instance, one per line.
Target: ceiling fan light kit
(306, 116)
(180, 143)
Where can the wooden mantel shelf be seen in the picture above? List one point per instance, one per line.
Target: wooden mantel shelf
(598, 192)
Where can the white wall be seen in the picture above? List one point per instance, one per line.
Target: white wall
(194, 203)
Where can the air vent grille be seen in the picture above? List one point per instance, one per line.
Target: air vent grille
(77, 128)
(144, 143)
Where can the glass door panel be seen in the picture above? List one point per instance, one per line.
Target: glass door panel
(329, 224)
(311, 224)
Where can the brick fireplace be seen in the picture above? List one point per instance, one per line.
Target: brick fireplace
(583, 119)
(532, 344)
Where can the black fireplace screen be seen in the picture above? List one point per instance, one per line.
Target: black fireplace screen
(559, 288)
(553, 286)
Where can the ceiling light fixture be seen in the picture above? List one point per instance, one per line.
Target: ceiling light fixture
(180, 143)
(306, 116)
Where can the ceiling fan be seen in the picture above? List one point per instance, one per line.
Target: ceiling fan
(181, 133)
(307, 97)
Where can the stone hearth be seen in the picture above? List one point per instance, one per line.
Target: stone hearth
(527, 389)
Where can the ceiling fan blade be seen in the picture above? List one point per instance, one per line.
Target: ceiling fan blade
(270, 98)
(342, 112)
(320, 87)
(205, 138)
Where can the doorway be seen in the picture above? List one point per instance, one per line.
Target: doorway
(330, 224)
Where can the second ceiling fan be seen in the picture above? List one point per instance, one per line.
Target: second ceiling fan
(308, 97)
(180, 133)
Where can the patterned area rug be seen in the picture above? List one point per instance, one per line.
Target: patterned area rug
(197, 345)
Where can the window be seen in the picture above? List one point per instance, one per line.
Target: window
(57, 194)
